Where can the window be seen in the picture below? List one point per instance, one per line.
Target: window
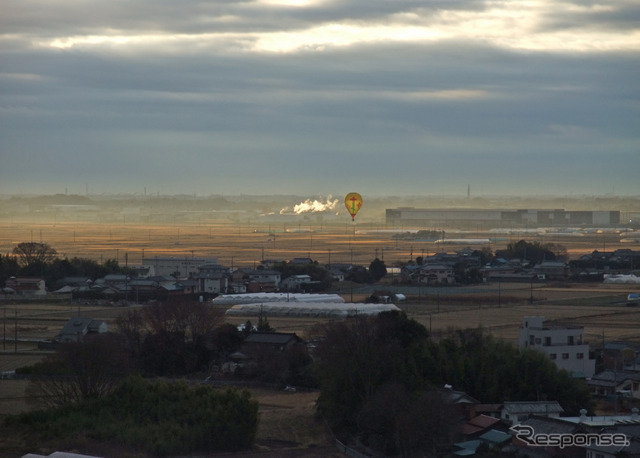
(570, 340)
(531, 340)
(553, 356)
(580, 355)
(565, 356)
(547, 341)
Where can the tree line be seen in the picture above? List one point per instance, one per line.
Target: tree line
(33, 259)
(37, 259)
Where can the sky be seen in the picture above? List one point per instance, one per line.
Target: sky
(320, 97)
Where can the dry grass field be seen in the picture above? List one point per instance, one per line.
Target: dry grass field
(245, 244)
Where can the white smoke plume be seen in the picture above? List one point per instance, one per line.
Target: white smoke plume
(312, 206)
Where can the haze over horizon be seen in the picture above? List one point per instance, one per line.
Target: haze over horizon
(318, 97)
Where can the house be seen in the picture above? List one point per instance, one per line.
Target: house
(212, 279)
(140, 271)
(301, 261)
(462, 403)
(342, 267)
(337, 275)
(176, 267)
(563, 344)
(491, 410)
(75, 282)
(76, 329)
(436, 274)
(621, 355)
(26, 286)
(623, 434)
(115, 279)
(265, 351)
(240, 275)
(294, 282)
(271, 263)
(550, 426)
(263, 280)
(479, 425)
(629, 431)
(493, 438)
(552, 270)
(236, 288)
(430, 273)
(516, 412)
(190, 286)
(615, 383)
(280, 341)
(142, 289)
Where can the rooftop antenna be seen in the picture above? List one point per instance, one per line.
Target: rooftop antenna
(468, 191)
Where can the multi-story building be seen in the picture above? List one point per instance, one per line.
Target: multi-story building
(26, 286)
(564, 345)
(212, 278)
(471, 217)
(176, 267)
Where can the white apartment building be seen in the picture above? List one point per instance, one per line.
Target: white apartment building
(178, 267)
(565, 346)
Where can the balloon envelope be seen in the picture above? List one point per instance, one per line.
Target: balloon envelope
(353, 202)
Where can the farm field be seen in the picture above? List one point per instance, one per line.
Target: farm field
(247, 243)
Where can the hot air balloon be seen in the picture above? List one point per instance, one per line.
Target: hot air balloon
(353, 202)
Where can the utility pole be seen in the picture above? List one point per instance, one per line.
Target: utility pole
(15, 338)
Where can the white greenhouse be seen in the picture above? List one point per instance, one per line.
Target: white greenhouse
(309, 309)
(254, 298)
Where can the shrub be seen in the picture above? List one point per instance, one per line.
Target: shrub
(161, 418)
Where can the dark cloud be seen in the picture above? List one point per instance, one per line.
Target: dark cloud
(612, 16)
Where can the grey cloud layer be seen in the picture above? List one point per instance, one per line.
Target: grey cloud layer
(415, 116)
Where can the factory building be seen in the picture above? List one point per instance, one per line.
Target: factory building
(461, 217)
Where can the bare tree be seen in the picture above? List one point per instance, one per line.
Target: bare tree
(130, 325)
(32, 252)
(190, 319)
(398, 422)
(78, 371)
(170, 338)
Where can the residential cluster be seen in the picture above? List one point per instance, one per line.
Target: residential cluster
(161, 277)
(474, 266)
(537, 429)
(542, 428)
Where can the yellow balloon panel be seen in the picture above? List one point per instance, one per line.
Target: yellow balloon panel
(353, 202)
